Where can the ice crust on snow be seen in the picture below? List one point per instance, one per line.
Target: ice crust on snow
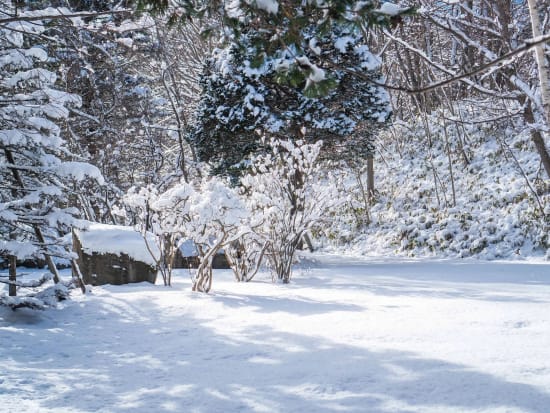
(116, 239)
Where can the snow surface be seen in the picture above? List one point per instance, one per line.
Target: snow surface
(270, 6)
(116, 239)
(351, 335)
(390, 9)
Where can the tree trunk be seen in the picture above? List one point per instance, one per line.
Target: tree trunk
(544, 72)
(308, 242)
(47, 257)
(538, 139)
(544, 79)
(76, 273)
(36, 228)
(370, 175)
(13, 276)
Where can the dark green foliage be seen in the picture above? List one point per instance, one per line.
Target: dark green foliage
(328, 93)
(276, 31)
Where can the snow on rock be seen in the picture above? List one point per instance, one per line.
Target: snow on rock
(116, 239)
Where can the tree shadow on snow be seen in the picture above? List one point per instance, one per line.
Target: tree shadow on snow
(276, 304)
(438, 279)
(109, 355)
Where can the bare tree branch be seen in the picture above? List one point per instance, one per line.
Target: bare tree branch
(61, 15)
(500, 61)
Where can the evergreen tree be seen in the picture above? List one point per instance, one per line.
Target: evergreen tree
(333, 94)
(38, 173)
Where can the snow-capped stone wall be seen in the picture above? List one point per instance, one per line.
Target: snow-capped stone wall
(110, 254)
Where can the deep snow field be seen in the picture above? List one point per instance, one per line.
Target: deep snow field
(347, 335)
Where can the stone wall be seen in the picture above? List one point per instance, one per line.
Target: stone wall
(106, 268)
(219, 261)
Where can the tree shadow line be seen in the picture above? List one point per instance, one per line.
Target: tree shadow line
(168, 363)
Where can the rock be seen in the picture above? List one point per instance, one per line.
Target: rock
(116, 266)
(187, 257)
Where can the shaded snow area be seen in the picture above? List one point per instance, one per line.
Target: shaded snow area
(346, 335)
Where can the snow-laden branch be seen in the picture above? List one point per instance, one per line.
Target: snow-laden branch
(498, 62)
(440, 67)
(29, 284)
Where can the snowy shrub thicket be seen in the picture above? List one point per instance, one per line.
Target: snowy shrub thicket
(289, 193)
(286, 193)
(212, 215)
(467, 189)
(166, 217)
(218, 217)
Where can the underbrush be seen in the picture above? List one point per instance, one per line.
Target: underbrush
(468, 191)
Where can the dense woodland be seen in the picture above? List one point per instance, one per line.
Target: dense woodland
(417, 128)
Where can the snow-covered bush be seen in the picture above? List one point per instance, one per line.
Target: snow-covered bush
(212, 216)
(165, 215)
(289, 193)
(467, 189)
(245, 255)
(218, 218)
(36, 297)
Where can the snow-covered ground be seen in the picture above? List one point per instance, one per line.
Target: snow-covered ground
(347, 335)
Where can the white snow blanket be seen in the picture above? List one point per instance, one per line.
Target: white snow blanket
(346, 335)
